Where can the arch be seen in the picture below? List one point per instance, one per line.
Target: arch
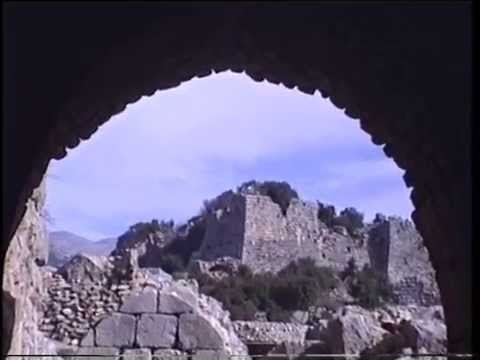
(380, 63)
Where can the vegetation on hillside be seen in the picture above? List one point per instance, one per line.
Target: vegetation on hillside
(298, 286)
(350, 218)
(370, 288)
(280, 192)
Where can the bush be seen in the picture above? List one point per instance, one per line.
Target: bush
(296, 287)
(350, 270)
(171, 263)
(326, 214)
(351, 219)
(281, 193)
(184, 247)
(370, 288)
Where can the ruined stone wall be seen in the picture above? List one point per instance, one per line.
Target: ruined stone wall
(225, 228)
(253, 229)
(337, 249)
(272, 240)
(23, 280)
(397, 249)
(142, 317)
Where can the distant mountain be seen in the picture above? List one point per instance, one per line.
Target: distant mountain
(63, 245)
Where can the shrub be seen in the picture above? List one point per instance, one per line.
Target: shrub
(296, 287)
(350, 270)
(370, 288)
(326, 214)
(281, 193)
(245, 310)
(184, 247)
(350, 218)
(171, 263)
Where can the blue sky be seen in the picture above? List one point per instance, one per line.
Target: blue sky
(165, 154)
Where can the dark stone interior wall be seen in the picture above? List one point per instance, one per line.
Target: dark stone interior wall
(403, 69)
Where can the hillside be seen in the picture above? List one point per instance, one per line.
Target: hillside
(63, 245)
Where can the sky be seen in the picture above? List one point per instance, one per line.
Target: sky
(165, 154)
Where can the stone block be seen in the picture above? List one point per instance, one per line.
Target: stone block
(196, 332)
(88, 340)
(172, 304)
(210, 355)
(136, 354)
(142, 302)
(170, 354)
(117, 330)
(156, 330)
(96, 353)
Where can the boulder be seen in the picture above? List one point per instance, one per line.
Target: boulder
(216, 269)
(352, 330)
(156, 330)
(84, 268)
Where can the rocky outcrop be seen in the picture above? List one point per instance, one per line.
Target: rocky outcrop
(23, 282)
(86, 269)
(389, 330)
(352, 330)
(147, 240)
(216, 269)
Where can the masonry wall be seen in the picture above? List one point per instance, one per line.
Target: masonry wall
(272, 240)
(253, 229)
(397, 250)
(225, 228)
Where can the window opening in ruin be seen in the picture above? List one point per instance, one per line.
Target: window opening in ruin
(235, 187)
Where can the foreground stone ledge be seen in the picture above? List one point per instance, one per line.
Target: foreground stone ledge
(96, 353)
(210, 355)
(136, 354)
(169, 354)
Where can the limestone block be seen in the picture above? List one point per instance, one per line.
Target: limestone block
(209, 355)
(169, 354)
(136, 354)
(88, 340)
(172, 304)
(116, 330)
(196, 333)
(96, 353)
(142, 302)
(156, 330)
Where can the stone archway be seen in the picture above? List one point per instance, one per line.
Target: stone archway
(381, 63)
